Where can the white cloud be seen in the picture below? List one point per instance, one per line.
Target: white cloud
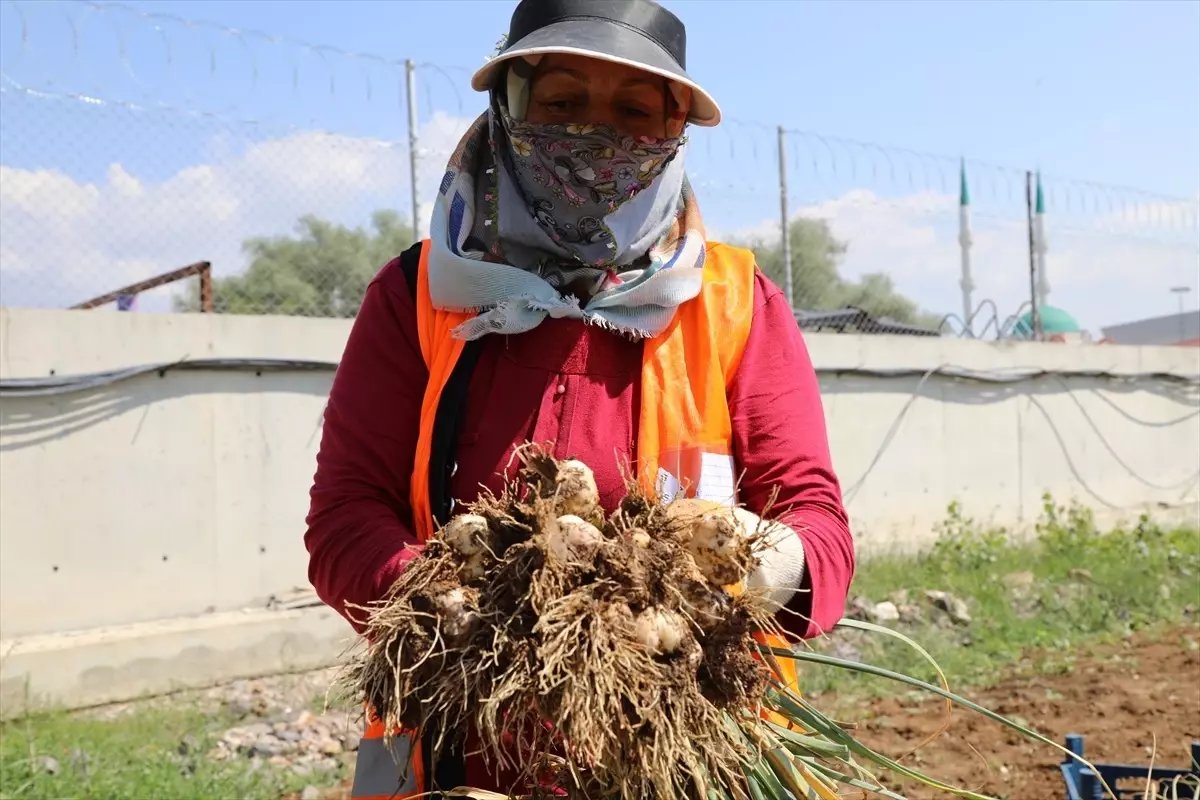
(63, 240)
(1112, 269)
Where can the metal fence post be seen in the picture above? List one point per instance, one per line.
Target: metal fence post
(784, 232)
(410, 71)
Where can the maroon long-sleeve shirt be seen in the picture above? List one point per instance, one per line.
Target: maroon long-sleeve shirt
(577, 386)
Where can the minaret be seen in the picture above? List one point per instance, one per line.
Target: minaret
(964, 242)
(1039, 243)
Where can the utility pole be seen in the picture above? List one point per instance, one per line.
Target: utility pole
(410, 74)
(784, 232)
(1035, 315)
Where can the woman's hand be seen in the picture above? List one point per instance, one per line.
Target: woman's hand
(780, 555)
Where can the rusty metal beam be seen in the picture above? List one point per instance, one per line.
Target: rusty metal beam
(201, 268)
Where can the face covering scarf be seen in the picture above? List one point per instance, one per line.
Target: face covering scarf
(565, 221)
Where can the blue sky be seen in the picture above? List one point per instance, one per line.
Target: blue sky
(1107, 92)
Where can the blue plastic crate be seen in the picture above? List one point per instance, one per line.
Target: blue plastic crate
(1082, 783)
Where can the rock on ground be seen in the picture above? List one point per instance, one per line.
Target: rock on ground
(279, 729)
(279, 719)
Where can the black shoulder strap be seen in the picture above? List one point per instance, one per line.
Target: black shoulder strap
(450, 770)
(410, 262)
(446, 428)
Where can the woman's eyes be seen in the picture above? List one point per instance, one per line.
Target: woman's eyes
(566, 107)
(574, 109)
(561, 105)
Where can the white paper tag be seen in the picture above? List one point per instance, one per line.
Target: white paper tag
(716, 479)
(714, 485)
(667, 486)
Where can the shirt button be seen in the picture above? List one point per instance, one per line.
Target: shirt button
(560, 389)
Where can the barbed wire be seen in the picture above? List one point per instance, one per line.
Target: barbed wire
(818, 160)
(166, 110)
(157, 19)
(142, 65)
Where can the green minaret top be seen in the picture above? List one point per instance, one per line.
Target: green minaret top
(1040, 204)
(964, 197)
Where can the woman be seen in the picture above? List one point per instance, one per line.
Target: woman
(567, 295)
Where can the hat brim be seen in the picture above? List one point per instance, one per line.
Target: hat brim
(607, 42)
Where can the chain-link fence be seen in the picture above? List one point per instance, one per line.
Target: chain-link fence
(133, 145)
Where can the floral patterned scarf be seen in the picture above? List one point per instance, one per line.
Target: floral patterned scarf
(564, 221)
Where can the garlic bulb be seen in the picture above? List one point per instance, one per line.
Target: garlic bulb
(466, 534)
(716, 546)
(661, 632)
(575, 485)
(474, 568)
(572, 538)
(456, 619)
(451, 601)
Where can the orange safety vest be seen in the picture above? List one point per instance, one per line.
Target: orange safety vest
(684, 429)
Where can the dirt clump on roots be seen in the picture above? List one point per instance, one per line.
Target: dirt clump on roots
(606, 643)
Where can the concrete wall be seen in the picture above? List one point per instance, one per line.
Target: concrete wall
(906, 447)
(150, 530)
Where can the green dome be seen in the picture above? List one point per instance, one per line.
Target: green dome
(1054, 320)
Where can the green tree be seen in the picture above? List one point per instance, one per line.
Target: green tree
(816, 283)
(321, 271)
(324, 268)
